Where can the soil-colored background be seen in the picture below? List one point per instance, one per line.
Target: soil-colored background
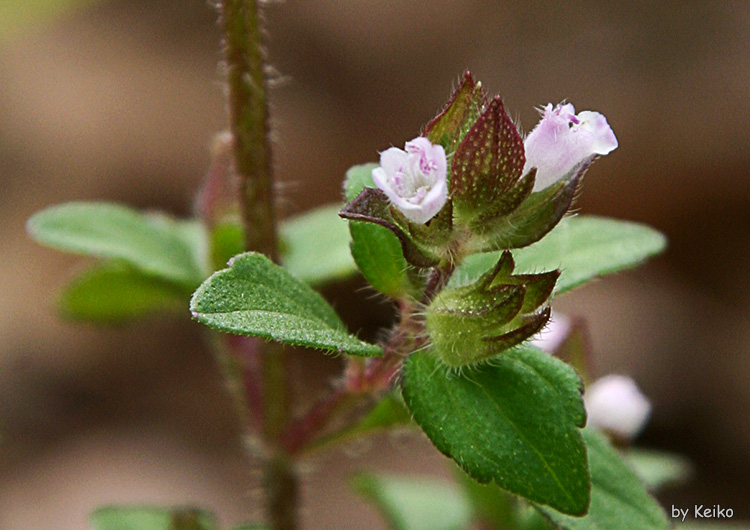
(119, 101)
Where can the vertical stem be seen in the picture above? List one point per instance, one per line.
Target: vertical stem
(248, 110)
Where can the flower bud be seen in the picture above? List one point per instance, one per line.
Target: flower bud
(615, 404)
(562, 140)
(414, 179)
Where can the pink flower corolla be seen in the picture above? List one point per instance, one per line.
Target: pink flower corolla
(562, 139)
(414, 179)
(615, 404)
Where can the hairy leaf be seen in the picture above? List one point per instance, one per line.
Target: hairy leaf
(618, 498)
(514, 422)
(256, 297)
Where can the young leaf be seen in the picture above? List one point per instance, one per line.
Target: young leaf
(256, 297)
(514, 422)
(151, 518)
(658, 469)
(375, 249)
(315, 246)
(148, 243)
(618, 498)
(114, 292)
(582, 247)
(415, 504)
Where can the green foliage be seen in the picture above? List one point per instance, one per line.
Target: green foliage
(658, 469)
(473, 323)
(618, 498)
(155, 245)
(315, 246)
(582, 247)
(375, 249)
(114, 292)
(415, 504)
(514, 422)
(256, 297)
(151, 518)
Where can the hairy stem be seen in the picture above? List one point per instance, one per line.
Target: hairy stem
(248, 110)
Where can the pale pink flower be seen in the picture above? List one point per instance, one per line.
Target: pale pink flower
(615, 404)
(415, 179)
(554, 333)
(562, 140)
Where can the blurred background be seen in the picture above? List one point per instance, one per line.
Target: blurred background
(118, 100)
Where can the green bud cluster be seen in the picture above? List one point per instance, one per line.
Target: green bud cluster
(472, 323)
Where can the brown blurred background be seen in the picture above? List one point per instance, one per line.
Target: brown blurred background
(119, 101)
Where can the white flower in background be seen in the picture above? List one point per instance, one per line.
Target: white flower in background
(615, 404)
(415, 179)
(562, 139)
(554, 333)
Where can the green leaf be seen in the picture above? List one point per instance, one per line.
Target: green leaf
(114, 292)
(618, 498)
(713, 526)
(415, 504)
(151, 518)
(256, 297)
(373, 206)
(582, 247)
(514, 422)
(152, 244)
(658, 469)
(316, 246)
(375, 249)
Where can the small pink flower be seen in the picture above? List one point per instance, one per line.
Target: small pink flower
(562, 139)
(615, 404)
(415, 179)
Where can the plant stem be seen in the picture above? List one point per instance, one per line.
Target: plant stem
(248, 110)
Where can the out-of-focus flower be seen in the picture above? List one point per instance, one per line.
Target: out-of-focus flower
(554, 334)
(562, 140)
(414, 179)
(615, 404)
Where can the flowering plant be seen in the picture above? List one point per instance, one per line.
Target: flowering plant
(465, 231)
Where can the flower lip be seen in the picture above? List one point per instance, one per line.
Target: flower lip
(562, 139)
(414, 179)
